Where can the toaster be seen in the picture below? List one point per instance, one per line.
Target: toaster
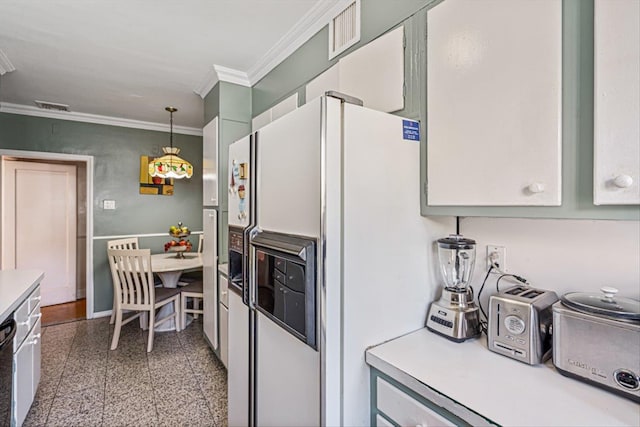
(519, 324)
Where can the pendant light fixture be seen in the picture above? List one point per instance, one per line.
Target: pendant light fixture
(170, 165)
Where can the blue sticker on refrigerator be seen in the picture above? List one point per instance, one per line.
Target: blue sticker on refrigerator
(410, 130)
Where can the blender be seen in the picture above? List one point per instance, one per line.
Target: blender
(455, 316)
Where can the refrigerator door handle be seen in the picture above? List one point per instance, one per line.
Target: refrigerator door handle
(250, 282)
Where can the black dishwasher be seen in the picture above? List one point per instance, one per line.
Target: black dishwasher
(7, 332)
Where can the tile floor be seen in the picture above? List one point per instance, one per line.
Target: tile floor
(83, 383)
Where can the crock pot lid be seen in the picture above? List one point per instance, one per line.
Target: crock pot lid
(456, 241)
(604, 304)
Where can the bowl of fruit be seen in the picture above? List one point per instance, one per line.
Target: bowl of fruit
(179, 231)
(178, 244)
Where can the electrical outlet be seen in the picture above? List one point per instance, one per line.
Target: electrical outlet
(108, 204)
(500, 256)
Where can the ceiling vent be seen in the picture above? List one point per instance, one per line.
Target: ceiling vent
(52, 106)
(344, 29)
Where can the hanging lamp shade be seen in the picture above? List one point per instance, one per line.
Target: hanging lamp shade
(170, 165)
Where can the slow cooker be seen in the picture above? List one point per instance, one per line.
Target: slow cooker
(596, 338)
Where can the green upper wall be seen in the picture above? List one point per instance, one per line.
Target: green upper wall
(116, 152)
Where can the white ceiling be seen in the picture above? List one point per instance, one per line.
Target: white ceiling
(131, 58)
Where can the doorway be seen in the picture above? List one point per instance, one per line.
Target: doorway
(47, 225)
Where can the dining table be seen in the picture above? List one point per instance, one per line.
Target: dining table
(169, 268)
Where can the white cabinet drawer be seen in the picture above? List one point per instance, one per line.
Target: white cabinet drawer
(224, 290)
(22, 318)
(34, 299)
(382, 422)
(405, 410)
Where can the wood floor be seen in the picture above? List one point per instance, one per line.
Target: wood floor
(62, 313)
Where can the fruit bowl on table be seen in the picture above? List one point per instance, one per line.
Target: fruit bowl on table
(179, 250)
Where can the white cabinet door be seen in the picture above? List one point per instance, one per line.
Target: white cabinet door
(209, 277)
(617, 102)
(494, 106)
(37, 355)
(23, 380)
(210, 163)
(375, 72)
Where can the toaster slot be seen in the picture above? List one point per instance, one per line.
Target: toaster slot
(532, 294)
(515, 291)
(498, 322)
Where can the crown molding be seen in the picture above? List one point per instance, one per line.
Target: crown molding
(5, 65)
(312, 22)
(232, 76)
(218, 73)
(27, 110)
(207, 83)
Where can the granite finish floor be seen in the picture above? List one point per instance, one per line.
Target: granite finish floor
(83, 383)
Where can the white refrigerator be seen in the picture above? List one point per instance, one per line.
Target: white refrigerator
(339, 260)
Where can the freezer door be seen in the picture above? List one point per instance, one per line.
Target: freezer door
(239, 189)
(238, 363)
(287, 378)
(288, 163)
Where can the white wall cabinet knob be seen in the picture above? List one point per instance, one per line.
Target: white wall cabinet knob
(623, 181)
(536, 187)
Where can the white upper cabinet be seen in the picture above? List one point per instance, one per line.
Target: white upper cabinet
(617, 101)
(494, 103)
(374, 73)
(210, 163)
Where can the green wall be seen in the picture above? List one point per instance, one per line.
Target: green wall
(381, 16)
(116, 152)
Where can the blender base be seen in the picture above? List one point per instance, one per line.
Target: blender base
(453, 320)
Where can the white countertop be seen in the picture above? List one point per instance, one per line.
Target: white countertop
(503, 390)
(15, 286)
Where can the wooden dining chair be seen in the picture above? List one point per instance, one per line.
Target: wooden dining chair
(134, 291)
(193, 291)
(130, 243)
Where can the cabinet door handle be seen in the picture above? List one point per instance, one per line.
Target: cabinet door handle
(23, 323)
(623, 181)
(35, 339)
(536, 187)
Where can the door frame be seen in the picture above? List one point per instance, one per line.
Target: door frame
(60, 157)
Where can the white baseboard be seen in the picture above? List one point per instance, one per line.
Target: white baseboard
(105, 313)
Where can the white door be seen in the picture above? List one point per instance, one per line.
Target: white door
(39, 225)
(210, 275)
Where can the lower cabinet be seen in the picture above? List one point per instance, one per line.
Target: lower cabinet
(393, 404)
(403, 409)
(26, 358)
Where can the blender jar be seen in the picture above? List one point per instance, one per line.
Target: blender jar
(457, 257)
